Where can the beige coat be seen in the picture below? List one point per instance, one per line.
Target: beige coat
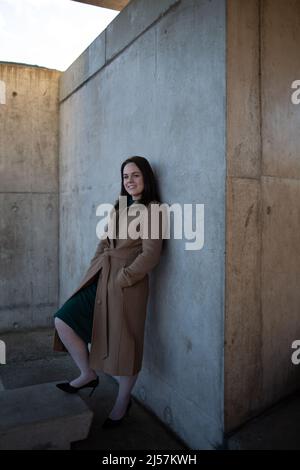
(121, 297)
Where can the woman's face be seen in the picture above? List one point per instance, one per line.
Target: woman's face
(133, 180)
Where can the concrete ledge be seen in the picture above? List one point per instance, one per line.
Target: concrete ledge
(131, 22)
(42, 417)
(28, 345)
(91, 60)
(112, 4)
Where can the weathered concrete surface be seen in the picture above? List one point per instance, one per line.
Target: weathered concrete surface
(162, 97)
(280, 285)
(243, 328)
(42, 417)
(263, 203)
(280, 67)
(89, 62)
(23, 346)
(140, 15)
(243, 99)
(281, 197)
(276, 429)
(243, 323)
(141, 430)
(134, 20)
(28, 196)
(29, 129)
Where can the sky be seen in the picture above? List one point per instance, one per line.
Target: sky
(49, 33)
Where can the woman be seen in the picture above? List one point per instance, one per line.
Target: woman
(108, 309)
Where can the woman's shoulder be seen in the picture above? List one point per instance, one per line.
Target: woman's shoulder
(153, 202)
(148, 205)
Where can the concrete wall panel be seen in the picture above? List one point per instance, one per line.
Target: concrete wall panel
(280, 67)
(136, 17)
(280, 285)
(29, 260)
(243, 94)
(29, 129)
(29, 196)
(262, 301)
(243, 323)
(158, 99)
(90, 61)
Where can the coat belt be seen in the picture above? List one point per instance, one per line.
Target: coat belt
(121, 253)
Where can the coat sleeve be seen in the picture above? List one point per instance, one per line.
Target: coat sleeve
(99, 250)
(150, 255)
(103, 243)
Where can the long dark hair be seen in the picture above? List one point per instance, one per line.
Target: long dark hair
(150, 192)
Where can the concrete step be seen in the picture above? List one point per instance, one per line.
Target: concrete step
(29, 345)
(41, 417)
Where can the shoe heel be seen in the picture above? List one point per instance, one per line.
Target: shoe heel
(92, 391)
(129, 406)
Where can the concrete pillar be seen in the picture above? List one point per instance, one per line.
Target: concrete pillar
(262, 206)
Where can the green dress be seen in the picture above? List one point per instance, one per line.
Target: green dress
(78, 311)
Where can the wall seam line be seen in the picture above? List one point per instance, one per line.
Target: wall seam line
(261, 218)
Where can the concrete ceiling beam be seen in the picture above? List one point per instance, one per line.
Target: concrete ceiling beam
(112, 4)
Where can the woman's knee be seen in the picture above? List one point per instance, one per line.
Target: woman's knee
(58, 323)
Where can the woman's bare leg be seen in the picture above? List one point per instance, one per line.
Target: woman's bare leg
(78, 351)
(126, 383)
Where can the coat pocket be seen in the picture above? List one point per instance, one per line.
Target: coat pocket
(121, 277)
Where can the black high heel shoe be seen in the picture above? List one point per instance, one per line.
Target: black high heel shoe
(66, 387)
(110, 423)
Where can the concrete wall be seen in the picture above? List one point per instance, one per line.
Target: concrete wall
(263, 204)
(153, 84)
(28, 195)
(157, 88)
